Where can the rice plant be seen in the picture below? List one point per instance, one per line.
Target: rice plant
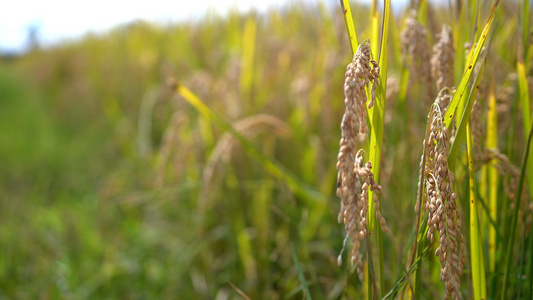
(316, 151)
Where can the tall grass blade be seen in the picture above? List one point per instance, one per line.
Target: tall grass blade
(404, 279)
(476, 245)
(492, 175)
(248, 52)
(376, 115)
(465, 119)
(523, 91)
(348, 20)
(529, 273)
(510, 243)
(374, 41)
(301, 274)
(460, 33)
(522, 258)
(524, 9)
(461, 88)
(417, 243)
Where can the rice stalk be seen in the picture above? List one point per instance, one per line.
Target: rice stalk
(492, 176)
(377, 116)
(248, 53)
(476, 238)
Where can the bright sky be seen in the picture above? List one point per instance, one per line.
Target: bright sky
(62, 19)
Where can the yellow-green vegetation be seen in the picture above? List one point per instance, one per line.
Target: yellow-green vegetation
(199, 160)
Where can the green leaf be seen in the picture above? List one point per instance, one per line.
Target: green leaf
(300, 273)
(492, 175)
(510, 243)
(465, 119)
(376, 115)
(461, 89)
(476, 245)
(348, 20)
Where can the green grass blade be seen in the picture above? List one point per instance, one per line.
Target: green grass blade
(422, 12)
(248, 51)
(510, 243)
(460, 33)
(465, 119)
(374, 41)
(461, 88)
(421, 188)
(301, 275)
(348, 20)
(521, 270)
(492, 175)
(376, 115)
(524, 9)
(275, 168)
(523, 91)
(529, 273)
(476, 245)
(404, 279)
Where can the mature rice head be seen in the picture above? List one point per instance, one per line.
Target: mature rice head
(415, 46)
(442, 60)
(350, 166)
(357, 78)
(443, 214)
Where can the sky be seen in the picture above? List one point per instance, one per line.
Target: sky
(57, 20)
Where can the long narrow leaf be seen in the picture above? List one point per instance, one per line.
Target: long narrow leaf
(348, 20)
(465, 119)
(248, 51)
(403, 280)
(523, 90)
(461, 89)
(377, 114)
(510, 243)
(492, 175)
(524, 9)
(529, 273)
(301, 274)
(476, 248)
(421, 188)
(374, 41)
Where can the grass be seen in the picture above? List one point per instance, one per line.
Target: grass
(126, 171)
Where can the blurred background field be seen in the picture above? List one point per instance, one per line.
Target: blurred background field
(114, 187)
